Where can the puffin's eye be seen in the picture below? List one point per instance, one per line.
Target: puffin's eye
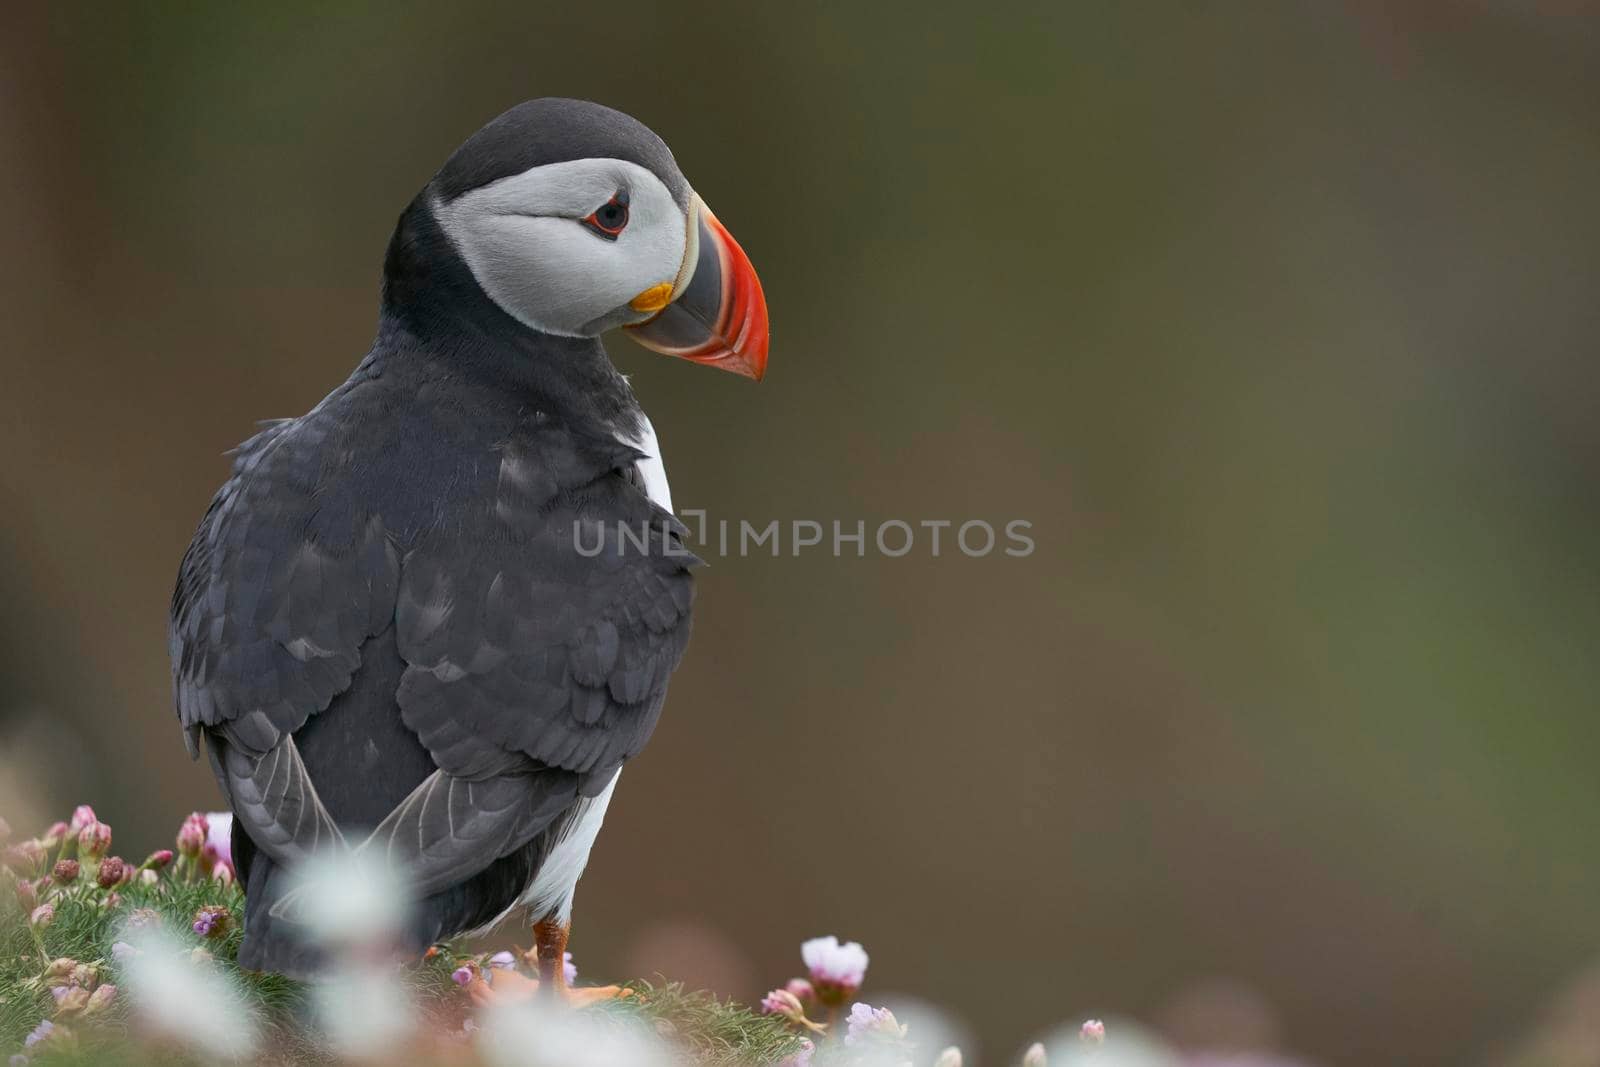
(609, 219)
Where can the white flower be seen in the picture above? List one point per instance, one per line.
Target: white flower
(188, 1000)
(832, 964)
(365, 1010)
(347, 899)
(866, 1023)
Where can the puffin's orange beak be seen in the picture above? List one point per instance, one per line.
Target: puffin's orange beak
(717, 314)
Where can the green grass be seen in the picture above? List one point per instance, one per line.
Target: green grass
(711, 1031)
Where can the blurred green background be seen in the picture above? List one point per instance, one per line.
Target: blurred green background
(1277, 321)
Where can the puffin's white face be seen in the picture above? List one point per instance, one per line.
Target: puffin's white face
(578, 247)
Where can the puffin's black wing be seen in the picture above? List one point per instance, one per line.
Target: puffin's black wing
(542, 648)
(539, 603)
(276, 594)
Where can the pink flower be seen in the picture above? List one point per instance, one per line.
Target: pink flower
(1092, 1032)
(82, 815)
(784, 1003)
(1035, 1056)
(94, 839)
(25, 856)
(867, 1023)
(836, 970)
(192, 836)
(42, 916)
(55, 835)
(502, 961)
(158, 859)
(569, 970)
(219, 833)
(112, 872)
(217, 851)
(461, 975)
(801, 989)
(65, 872)
(100, 999)
(122, 952)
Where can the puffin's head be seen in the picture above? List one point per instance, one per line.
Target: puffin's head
(575, 219)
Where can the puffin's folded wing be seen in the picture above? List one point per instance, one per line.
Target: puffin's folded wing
(277, 594)
(554, 637)
(451, 828)
(274, 801)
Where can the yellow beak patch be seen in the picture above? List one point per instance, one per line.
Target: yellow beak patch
(653, 299)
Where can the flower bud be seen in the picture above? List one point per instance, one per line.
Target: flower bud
(60, 968)
(113, 872)
(192, 836)
(462, 975)
(27, 896)
(25, 857)
(65, 872)
(222, 873)
(83, 974)
(784, 1004)
(149, 877)
(801, 990)
(94, 840)
(1092, 1032)
(1035, 1056)
(158, 859)
(102, 998)
(104, 995)
(144, 919)
(42, 916)
(82, 815)
(55, 835)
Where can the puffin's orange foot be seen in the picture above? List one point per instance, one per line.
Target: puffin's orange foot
(511, 987)
(584, 996)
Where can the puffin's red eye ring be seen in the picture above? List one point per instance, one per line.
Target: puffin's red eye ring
(609, 219)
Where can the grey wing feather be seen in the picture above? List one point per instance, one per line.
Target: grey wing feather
(451, 828)
(274, 800)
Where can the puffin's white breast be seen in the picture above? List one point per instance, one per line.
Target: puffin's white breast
(651, 468)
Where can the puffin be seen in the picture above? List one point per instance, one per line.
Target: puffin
(430, 620)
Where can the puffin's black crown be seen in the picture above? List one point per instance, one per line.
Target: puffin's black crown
(553, 129)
